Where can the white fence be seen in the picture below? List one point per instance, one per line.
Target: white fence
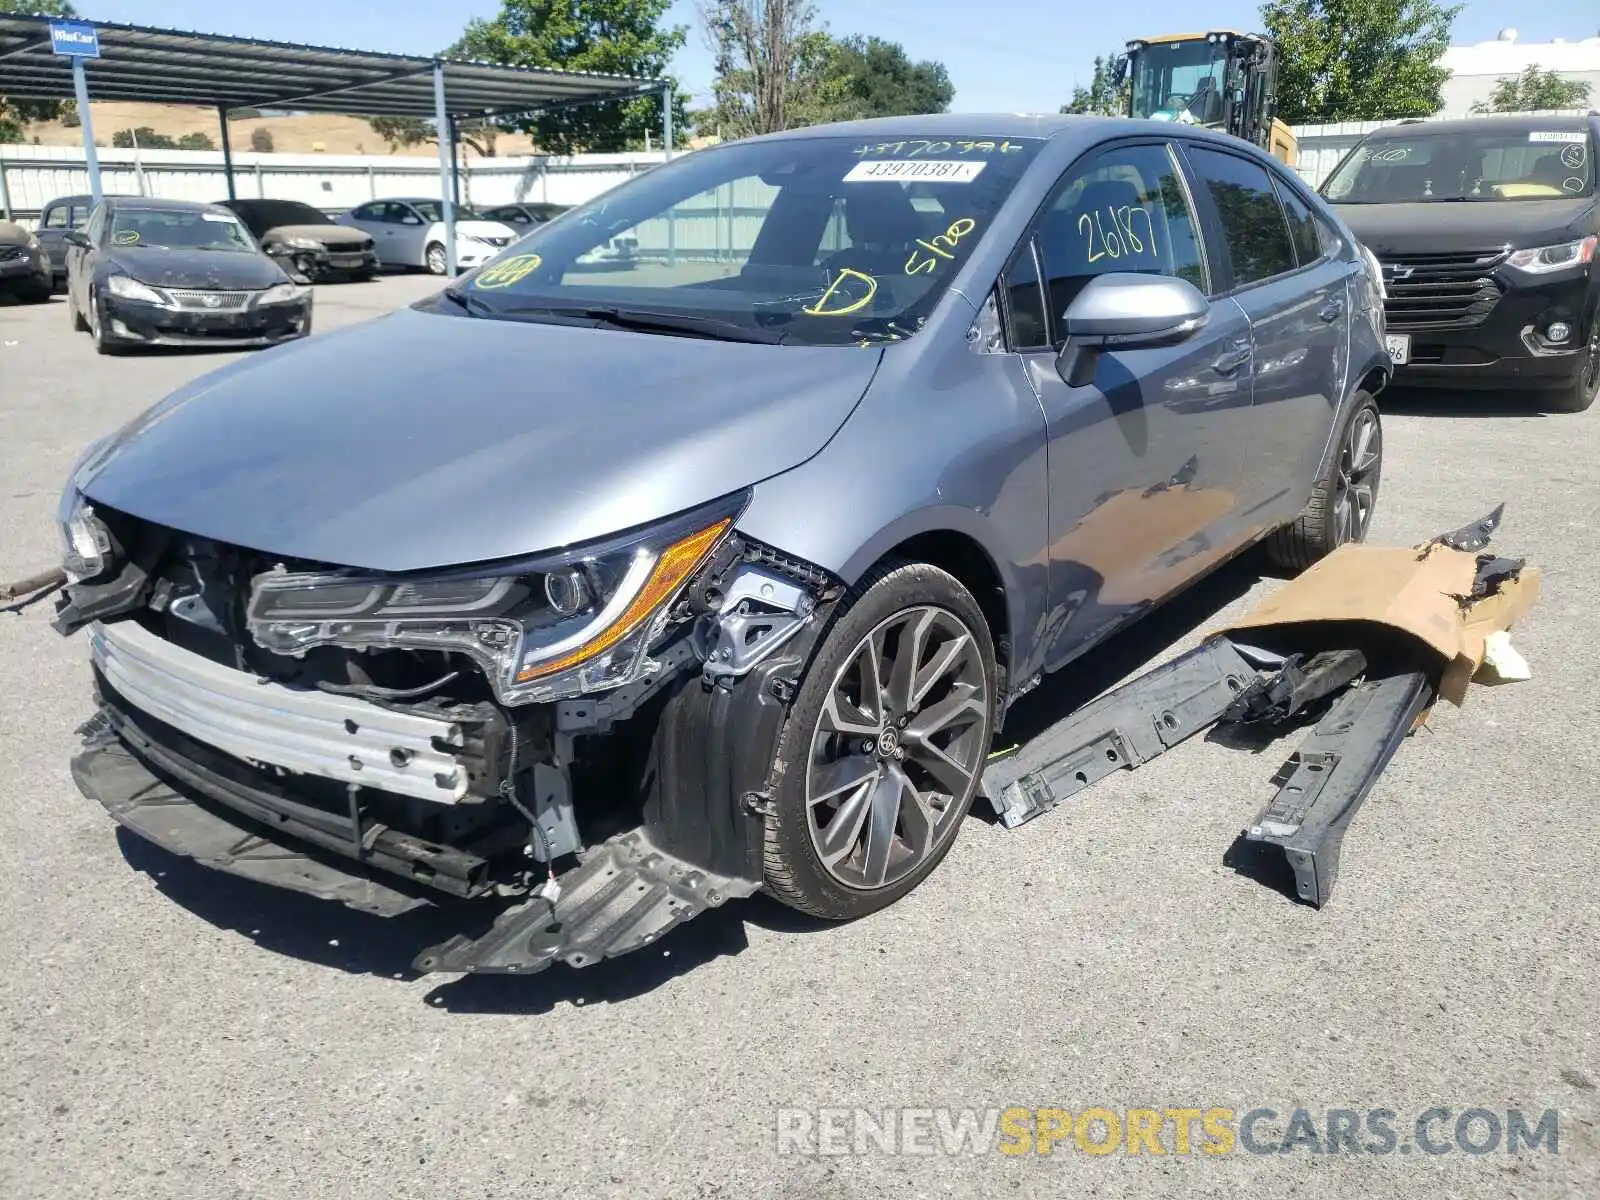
(31, 176)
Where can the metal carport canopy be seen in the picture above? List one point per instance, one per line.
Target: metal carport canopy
(171, 66)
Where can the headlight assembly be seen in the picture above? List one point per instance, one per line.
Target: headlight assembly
(282, 293)
(131, 289)
(1541, 260)
(560, 627)
(86, 542)
(302, 243)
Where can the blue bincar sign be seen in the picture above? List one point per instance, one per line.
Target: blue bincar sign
(74, 39)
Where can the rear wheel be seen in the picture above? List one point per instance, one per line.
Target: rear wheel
(1341, 506)
(434, 259)
(1580, 395)
(885, 745)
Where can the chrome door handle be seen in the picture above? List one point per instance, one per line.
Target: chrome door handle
(1231, 359)
(1331, 311)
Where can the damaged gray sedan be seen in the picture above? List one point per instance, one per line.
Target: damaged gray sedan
(592, 594)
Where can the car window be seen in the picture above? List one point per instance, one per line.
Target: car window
(1122, 210)
(823, 240)
(56, 218)
(1551, 160)
(1029, 326)
(273, 214)
(371, 212)
(513, 216)
(180, 229)
(1303, 225)
(1253, 224)
(97, 224)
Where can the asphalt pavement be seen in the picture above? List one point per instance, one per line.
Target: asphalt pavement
(169, 1032)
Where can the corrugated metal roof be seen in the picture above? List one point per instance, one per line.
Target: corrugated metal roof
(174, 66)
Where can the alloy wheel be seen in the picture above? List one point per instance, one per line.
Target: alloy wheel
(1356, 480)
(436, 261)
(898, 747)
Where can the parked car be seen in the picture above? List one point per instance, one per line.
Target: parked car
(523, 217)
(1486, 229)
(411, 233)
(55, 219)
(312, 241)
(177, 273)
(724, 574)
(24, 265)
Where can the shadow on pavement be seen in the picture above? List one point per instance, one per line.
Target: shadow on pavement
(328, 934)
(1428, 402)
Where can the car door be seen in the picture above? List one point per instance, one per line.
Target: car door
(81, 259)
(1297, 300)
(410, 231)
(369, 218)
(1144, 462)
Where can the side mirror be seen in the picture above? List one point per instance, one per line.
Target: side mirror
(1126, 312)
(76, 237)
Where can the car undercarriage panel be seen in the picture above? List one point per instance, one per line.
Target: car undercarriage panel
(626, 894)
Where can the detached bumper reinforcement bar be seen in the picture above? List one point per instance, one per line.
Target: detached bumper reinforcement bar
(1328, 778)
(624, 895)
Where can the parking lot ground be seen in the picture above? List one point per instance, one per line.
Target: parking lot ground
(169, 1032)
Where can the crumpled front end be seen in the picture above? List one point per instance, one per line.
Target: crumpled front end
(575, 738)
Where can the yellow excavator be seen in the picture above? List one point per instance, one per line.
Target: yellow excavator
(1222, 80)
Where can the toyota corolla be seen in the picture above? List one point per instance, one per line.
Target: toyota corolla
(604, 593)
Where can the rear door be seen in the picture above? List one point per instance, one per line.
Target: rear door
(1144, 462)
(1265, 236)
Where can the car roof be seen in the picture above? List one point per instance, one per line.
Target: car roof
(152, 204)
(85, 198)
(1498, 123)
(961, 125)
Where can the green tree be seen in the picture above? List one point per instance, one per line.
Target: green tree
(1104, 96)
(775, 68)
(1359, 60)
(144, 138)
(879, 79)
(17, 115)
(414, 131)
(1535, 89)
(613, 37)
(196, 141)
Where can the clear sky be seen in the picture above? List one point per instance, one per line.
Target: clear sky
(1003, 55)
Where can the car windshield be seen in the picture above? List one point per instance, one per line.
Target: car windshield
(432, 210)
(1418, 165)
(167, 229)
(820, 241)
(273, 214)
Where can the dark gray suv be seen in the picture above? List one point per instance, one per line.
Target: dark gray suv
(603, 594)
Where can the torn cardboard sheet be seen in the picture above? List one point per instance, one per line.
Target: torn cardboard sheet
(1424, 593)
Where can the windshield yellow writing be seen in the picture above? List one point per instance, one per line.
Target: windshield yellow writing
(507, 271)
(940, 247)
(126, 237)
(839, 300)
(1118, 233)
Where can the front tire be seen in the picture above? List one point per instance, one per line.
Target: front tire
(1342, 503)
(1579, 395)
(434, 259)
(884, 746)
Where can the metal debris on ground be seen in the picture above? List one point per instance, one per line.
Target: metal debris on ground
(1366, 640)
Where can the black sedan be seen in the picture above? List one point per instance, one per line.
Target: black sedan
(175, 273)
(308, 238)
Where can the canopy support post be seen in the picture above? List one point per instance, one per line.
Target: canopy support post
(91, 156)
(444, 130)
(227, 151)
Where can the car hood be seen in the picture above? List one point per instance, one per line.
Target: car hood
(1442, 227)
(196, 268)
(420, 440)
(328, 235)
